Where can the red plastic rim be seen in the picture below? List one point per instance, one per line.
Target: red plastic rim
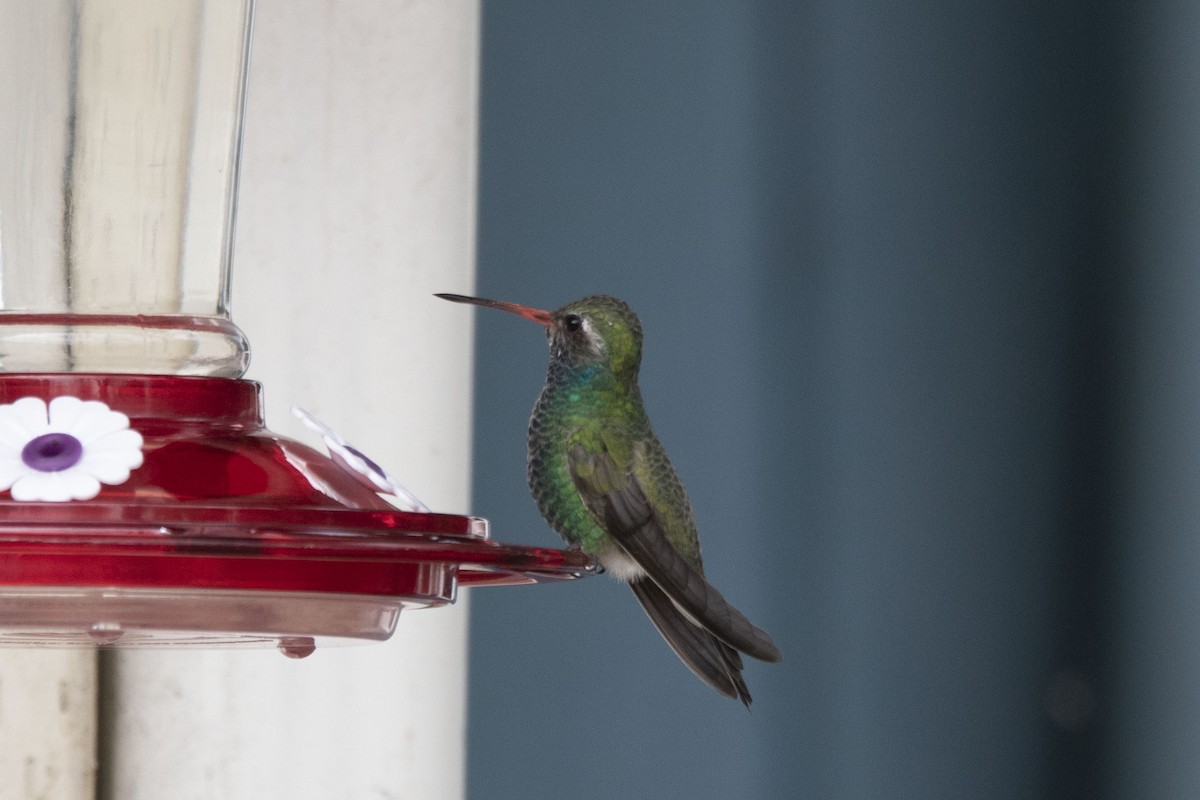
(222, 508)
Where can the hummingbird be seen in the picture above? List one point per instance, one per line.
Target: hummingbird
(602, 480)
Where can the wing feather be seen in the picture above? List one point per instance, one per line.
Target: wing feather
(615, 497)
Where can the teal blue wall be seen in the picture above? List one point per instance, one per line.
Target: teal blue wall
(900, 268)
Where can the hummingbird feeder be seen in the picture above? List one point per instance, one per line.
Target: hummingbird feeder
(142, 500)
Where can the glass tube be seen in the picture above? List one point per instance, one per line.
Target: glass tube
(120, 131)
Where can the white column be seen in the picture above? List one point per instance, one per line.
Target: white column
(47, 724)
(357, 203)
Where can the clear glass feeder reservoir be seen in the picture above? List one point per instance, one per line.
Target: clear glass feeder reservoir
(119, 142)
(151, 506)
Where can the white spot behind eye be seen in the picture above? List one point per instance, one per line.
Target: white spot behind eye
(595, 340)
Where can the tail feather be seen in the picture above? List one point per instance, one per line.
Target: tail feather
(713, 661)
(687, 586)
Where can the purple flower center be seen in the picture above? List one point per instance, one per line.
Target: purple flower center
(52, 452)
(371, 465)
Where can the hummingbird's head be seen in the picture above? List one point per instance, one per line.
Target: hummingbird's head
(596, 331)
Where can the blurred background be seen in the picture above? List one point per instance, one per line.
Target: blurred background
(920, 292)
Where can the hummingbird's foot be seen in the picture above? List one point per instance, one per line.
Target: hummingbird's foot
(576, 548)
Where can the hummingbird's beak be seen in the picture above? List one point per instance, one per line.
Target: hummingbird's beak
(544, 318)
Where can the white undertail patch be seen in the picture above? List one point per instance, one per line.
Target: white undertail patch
(618, 564)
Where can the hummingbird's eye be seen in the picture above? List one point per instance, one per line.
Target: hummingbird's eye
(572, 322)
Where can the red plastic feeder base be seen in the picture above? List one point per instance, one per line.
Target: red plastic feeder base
(225, 535)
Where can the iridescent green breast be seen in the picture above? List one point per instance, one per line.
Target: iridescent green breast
(590, 409)
(565, 411)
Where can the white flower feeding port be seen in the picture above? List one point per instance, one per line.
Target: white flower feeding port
(142, 500)
(64, 450)
(373, 476)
